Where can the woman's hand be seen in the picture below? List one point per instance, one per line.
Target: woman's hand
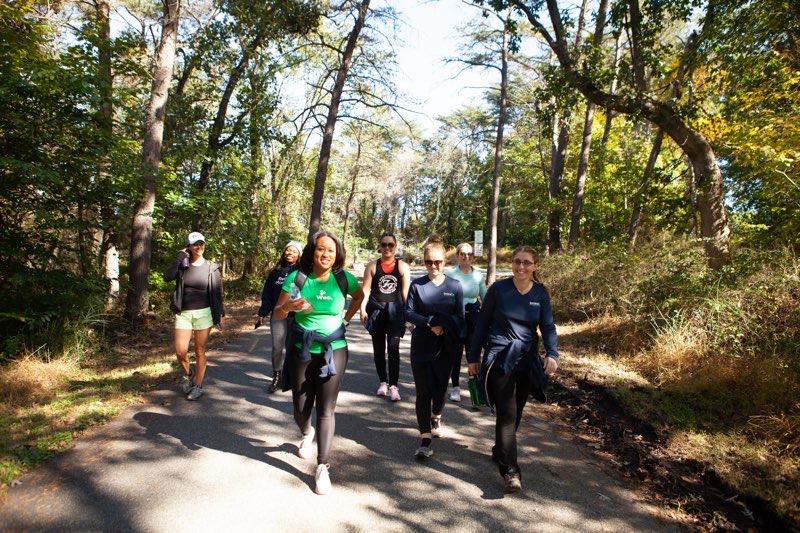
(550, 366)
(473, 369)
(298, 304)
(362, 314)
(437, 330)
(221, 323)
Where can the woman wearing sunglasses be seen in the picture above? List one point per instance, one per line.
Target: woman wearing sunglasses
(435, 308)
(385, 286)
(473, 284)
(512, 369)
(197, 304)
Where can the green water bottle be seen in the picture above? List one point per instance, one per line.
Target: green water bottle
(475, 394)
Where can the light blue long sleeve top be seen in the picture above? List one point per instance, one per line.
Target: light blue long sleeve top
(473, 285)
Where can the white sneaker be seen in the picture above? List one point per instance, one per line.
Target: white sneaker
(436, 427)
(455, 394)
(306, 447)
(383, 389)
(322, 480)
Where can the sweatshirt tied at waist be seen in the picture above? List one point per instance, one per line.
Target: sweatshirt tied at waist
(393, 313)
(308, 337)
(507, 356)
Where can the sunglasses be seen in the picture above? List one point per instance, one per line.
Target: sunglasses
(431, 262)
(388, 245)
(465, 254)
(198, 243)
(523, 262)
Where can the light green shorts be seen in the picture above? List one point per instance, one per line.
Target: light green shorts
(194, 319)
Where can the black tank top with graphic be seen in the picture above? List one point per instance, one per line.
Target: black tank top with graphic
(386, 285)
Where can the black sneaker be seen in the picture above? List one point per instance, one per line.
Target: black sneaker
(276, 381)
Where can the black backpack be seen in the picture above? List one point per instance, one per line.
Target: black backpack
(339, 275)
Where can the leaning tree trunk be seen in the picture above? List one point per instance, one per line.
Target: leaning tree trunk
(315, 221)
(710, 188)
(491, 269)
(215, 142)
(142, 225)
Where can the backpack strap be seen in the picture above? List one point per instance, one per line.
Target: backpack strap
(339, 275)
(341, 280)
(300, 279)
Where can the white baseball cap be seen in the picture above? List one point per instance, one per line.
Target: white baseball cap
(194, 237)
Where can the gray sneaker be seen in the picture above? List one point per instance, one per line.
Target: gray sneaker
(195, 392)
(185, 383)
(423, 452)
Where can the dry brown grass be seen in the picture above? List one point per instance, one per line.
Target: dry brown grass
(30, 380)
(44, 405)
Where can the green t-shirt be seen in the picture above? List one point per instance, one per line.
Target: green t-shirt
(327, 304)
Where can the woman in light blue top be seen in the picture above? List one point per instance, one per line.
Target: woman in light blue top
(473, 285)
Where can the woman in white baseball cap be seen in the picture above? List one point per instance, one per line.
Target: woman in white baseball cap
(197, 304)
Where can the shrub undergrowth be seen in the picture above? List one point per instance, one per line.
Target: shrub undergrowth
(719, 349)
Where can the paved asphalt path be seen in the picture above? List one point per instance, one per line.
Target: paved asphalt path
(227, 462)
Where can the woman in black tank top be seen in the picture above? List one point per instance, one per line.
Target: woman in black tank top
(385, 285)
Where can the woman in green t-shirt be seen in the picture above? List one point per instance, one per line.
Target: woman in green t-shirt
(317, 358)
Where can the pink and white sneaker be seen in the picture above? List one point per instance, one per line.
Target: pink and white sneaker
(383, 389)
(394, 394)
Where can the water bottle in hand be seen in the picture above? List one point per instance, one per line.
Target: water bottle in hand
(294, 294)
(475, 393)
(184, 258)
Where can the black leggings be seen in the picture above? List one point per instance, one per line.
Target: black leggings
(454, 375)
(430, 380)
(308, 387)
(510, 393)
(386, 338)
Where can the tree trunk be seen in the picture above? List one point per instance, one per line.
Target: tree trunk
(558, 161)
(353, 181)
(641, 194)
(315, 221)
(491, 269)
(109, 256)
(142, 225)
(612, 92)
(586, 140)
(580, 180)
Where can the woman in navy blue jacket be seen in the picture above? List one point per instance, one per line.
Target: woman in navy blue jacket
(512, 369)
(269, 295)
(434, 306)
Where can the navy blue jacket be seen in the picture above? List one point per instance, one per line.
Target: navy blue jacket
(272, 287)
(429, 305)
(507, 332)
